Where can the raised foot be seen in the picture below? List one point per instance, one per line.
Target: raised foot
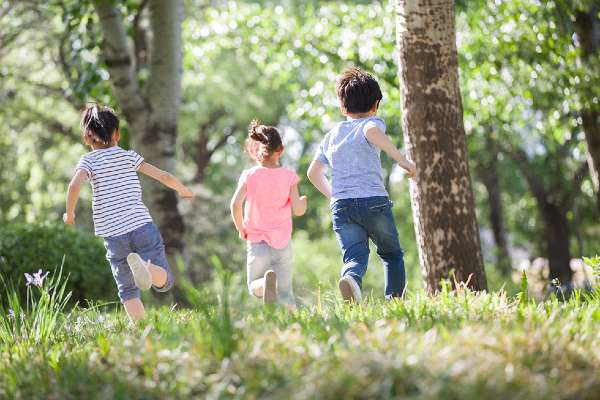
(141, 275)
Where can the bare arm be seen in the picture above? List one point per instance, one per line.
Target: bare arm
(299, 203)
(73, 195)
(316, 175)
(166, 179)
(237, 213)
(382, 141)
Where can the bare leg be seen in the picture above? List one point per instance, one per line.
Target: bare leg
(257, 287)
(159, 275)
(134, 309)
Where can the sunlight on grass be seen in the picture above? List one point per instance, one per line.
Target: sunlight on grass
(454, 345)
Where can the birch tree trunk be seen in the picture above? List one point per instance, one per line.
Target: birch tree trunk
(442, 198)
(151, 111)
(588, 31)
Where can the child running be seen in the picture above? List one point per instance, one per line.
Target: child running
(120, 217)
(271, 195)
(360, 207)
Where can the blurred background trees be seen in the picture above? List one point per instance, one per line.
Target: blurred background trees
(528, 78)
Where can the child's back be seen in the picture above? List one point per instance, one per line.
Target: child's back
(355, 163)
(268, 209)
(117, 194)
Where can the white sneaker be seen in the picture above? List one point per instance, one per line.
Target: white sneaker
(141, 275)
(270, 288)
(350, 289)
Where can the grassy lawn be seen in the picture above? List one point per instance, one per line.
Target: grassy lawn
(452, 346)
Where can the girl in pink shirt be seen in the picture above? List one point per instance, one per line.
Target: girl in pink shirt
(270, 192)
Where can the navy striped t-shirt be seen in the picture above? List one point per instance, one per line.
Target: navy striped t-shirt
(116, 191)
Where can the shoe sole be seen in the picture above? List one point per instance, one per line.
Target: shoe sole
(141, 275)
(346, 291)
(270, 290)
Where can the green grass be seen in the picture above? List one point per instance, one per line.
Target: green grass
(452, 346)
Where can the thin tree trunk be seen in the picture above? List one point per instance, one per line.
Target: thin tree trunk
(591, 128)
(442, 198)
(556, 234)
(554, 215)
(488, 173)
(158, 140)
(588, 32)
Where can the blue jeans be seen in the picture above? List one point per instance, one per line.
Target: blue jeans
(145, 241)
(357, 220)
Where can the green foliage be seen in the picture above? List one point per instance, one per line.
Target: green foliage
(524, 294)
(38, 320)
(594, 264)
(25, 248)
(216, 330)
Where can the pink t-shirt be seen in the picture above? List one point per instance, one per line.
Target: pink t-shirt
(268, 209)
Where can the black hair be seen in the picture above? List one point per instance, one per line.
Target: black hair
(357, 90)
(99, 122)
(262, 141)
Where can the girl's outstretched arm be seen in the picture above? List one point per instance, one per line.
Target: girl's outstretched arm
(73, 195)
(316, 175)
(166, 179)
(299, 203)
(237, 212)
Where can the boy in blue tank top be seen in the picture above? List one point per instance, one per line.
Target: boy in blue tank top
(360, 207)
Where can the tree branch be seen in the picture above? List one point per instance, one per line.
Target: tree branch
(203, 152)
(522, 162)
(568, 200)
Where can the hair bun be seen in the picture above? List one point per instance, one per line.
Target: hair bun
(256, 133)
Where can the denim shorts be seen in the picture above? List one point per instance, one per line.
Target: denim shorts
(145, 241)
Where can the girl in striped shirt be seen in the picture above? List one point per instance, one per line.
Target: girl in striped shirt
(120, 217)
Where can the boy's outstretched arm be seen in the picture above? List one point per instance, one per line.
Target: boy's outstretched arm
(73, 195)
(299, 203)
(382, 141)
(166, 179)
(237, 213)
(316, 175)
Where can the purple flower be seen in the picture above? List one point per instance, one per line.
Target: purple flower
(11, 313)
(36, 278)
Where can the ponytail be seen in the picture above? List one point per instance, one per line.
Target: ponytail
(262, 141)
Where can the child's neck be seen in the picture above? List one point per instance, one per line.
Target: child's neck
(103, 146)
(361, 115)
(269, 163)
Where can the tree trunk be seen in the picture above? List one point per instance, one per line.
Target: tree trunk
(588, 32)
(152, 116)
(488, 173)
(158, 140)
(442, 198)
(554, 215)
(556, 235)
(591, 128)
